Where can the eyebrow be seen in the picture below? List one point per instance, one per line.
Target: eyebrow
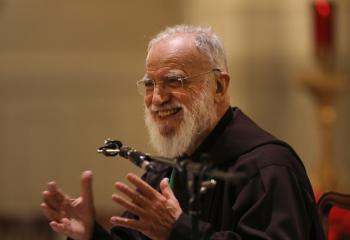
(173, 74)
(170, 73)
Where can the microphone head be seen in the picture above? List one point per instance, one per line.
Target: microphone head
(111, 148)
(113, 144)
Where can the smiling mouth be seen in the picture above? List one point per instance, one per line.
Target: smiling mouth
(167, 112)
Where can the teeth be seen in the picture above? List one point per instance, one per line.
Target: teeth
(167, 112)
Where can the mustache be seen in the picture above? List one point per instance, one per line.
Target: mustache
(164, 107)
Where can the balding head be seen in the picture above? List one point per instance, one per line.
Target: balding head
(206, 41)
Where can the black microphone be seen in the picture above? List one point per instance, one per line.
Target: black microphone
(140, 159)
(115, 147)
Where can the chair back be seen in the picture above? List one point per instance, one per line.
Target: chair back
(327, 201)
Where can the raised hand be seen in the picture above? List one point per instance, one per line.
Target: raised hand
(73, 217)
(157, 212)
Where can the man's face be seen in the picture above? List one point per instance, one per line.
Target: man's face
(176, 117)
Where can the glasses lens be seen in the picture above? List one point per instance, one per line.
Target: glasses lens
(173, 82)
(145, 86)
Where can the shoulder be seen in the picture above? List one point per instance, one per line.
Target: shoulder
(272, 155)
(269, 161)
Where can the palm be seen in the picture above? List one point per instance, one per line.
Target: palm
(80, 214)
(72, 217)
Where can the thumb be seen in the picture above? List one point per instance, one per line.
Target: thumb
(86, 186)
(166, 189)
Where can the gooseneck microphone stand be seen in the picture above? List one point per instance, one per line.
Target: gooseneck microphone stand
(196, 171)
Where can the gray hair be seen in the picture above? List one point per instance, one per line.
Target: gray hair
(206, 41)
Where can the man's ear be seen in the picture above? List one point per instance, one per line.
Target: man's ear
(222, 83)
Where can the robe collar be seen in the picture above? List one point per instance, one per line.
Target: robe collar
(234, 135)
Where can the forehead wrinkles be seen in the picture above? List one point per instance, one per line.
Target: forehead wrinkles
(171, 61)
(177, 52)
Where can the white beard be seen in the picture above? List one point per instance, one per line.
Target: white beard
(194, 122)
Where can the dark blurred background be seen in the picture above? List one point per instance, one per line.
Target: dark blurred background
(67, 82)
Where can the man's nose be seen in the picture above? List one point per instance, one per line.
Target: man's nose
(160, 95)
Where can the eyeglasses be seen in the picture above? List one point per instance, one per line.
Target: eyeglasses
(168, 83)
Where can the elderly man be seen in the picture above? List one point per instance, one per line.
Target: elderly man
(187, 112)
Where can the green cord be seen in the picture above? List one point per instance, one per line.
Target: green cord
(171, 180)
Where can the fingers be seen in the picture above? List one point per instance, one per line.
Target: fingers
(172, 203)
(156, 211)
(135, 196)
(50, 213)
(53, 189)
(86, 186)
(126, 222)
(54, 201)
(63, 227)
(128, 205)
(53, 197)
(166, 189)
(57, 227)
(143, 187)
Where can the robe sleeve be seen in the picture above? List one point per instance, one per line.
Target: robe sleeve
(272, 205)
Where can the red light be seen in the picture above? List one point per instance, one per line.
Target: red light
(323, 8)
(323, 27)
